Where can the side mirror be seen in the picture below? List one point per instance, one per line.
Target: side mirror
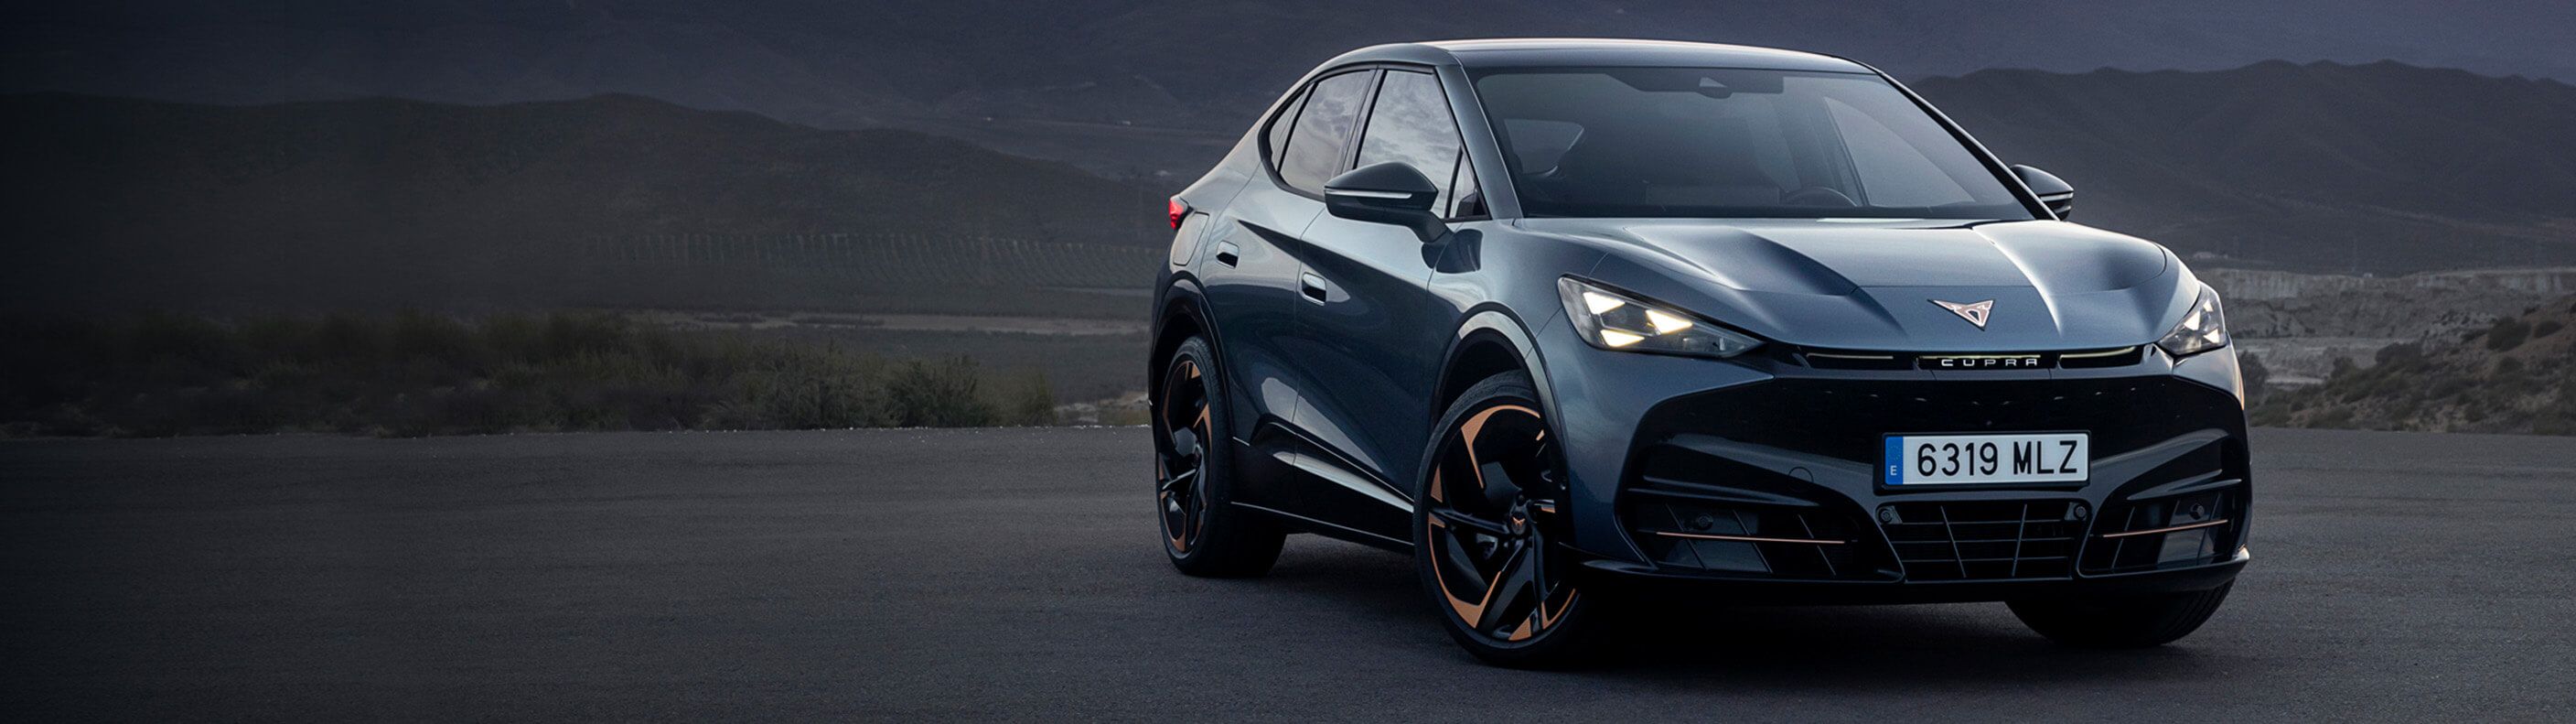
(2053, 192)
(1387, 193)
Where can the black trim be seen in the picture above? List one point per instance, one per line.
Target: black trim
(1326, 455)
(1329, 530)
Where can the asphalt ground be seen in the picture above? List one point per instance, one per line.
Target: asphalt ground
(946, 574)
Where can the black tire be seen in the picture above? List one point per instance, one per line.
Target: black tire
(1533, 617)
(1203, 533)
(2130, 622)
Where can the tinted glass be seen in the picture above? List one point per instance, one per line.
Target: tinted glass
(1278, 139)
(1464, 198)
(1700, 142)
(1323, 131)
(1410, 124)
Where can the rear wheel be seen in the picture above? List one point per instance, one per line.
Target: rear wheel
(1202, 533)
(2125, 622)
(1488, 532)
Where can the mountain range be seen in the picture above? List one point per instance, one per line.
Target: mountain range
(607, 200)
(627, 201)
(1147, 83)
(2377, 168)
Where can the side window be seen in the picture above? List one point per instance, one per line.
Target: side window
(1465, 199)
(1323, 131)
(1411, 125)
(1278, 140)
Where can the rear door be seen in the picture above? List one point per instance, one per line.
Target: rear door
(1370, 333)
(1250, 268)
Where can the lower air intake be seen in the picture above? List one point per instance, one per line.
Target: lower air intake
(1757, 540)
(2179, 531)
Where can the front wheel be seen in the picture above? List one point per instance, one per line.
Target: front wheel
(2128, 622)
(1489, 529)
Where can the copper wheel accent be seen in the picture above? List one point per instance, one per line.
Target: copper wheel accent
(1492, 509)
(1182, 433)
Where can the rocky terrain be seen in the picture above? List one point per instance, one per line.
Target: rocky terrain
(2516, 375)
(2300, 326)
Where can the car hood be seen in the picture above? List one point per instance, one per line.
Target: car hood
(1879, 284)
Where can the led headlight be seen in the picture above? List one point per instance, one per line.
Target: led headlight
(1610, 320)
(2201, 330)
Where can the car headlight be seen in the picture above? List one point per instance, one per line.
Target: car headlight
(2201, 330)
(1611, 320)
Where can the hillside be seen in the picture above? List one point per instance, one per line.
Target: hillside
(2381, 168)
(632, 202)
(2515, 376)
(1176, 64)
(608, 200)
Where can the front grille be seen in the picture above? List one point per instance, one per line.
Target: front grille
(1984, 540)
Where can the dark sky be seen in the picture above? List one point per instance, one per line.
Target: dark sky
(1187, 63)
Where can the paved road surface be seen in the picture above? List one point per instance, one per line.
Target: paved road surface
(1014, 574)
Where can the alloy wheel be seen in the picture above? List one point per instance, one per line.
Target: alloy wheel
(1182, 432)
(1492, 506)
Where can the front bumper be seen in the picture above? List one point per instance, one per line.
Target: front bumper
(1758, 478)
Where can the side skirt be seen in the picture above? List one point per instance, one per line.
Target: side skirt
(1329, 530)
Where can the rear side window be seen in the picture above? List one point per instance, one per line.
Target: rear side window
(1323, 131)
(1410, 124)
(1278, 139)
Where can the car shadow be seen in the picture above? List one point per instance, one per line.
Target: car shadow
(1810, 648)
(1854, 648)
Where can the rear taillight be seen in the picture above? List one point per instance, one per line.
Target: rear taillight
(1178, 210)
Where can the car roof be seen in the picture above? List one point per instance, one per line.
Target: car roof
(1596, 52)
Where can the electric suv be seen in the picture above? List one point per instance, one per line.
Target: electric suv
(1575, 322)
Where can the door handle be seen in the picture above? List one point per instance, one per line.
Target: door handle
(1313, 287)
(1227, 253)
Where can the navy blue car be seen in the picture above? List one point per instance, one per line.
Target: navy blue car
(1575, 322)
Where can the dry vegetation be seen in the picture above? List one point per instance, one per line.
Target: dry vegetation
(2515, 376)
(423, 374)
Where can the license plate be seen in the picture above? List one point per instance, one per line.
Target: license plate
(2053, 457)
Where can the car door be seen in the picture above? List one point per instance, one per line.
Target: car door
(1370, 333)
(1249, 270)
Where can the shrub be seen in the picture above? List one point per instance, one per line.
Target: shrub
(937, 395)
(2507, 334)
(423, 374)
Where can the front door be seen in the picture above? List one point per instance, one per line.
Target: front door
(1370, 333)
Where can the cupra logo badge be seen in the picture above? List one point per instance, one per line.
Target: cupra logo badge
(1974, 312)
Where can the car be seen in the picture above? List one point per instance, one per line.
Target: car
(1584, 325)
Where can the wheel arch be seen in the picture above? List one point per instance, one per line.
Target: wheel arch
(1183, 315)
(1491, 341)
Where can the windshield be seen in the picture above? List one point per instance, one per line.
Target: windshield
(1730, 143)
